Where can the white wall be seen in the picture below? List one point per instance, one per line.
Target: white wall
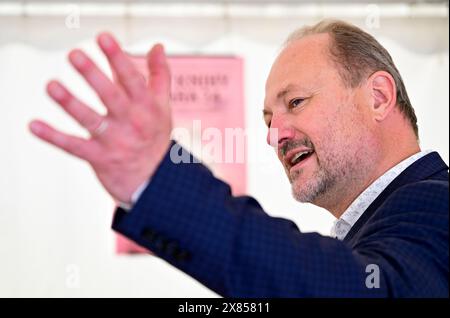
(55, 237)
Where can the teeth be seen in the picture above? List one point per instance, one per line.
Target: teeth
(298, 155)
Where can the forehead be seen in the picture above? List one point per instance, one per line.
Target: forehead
(302, 63)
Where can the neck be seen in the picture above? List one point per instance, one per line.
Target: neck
(338, 201)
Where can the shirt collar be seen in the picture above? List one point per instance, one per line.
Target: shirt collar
(343, 225)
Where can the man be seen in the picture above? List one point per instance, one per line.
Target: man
(346, 134)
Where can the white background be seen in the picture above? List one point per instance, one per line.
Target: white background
(55, 236)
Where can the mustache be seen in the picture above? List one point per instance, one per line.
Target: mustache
(292, 144)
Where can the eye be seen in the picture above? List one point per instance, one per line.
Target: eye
(295, 102)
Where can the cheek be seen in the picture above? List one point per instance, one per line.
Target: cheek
(333, 136)
(336, 126)
(348, 134)
(323, 129)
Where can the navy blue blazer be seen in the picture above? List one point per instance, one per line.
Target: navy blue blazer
(398, 247)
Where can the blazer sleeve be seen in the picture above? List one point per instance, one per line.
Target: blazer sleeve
(190, 219)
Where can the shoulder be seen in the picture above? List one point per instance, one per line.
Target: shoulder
(419, 209)
(426, 195)
(408, 237)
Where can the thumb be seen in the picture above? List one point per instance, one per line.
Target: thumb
(159, 73)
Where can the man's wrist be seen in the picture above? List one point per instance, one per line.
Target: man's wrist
(137, 194)
(127, 206)
(134, 197)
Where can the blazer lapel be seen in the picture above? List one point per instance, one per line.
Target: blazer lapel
(422, 169)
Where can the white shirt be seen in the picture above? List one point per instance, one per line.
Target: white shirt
(134, 197)
(343, 225)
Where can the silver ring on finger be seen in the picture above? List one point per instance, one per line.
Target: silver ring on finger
(101, 128)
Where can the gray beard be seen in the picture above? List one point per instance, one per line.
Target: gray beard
(332, 180)
(319, 185)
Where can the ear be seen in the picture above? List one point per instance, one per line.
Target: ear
(384, 94)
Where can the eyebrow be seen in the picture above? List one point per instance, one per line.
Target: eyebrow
(281, 94)
(286, 90)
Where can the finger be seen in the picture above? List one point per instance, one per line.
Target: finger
(83, 114)
(111, 95)
(74, 145)
(159, 71)
(129, 77)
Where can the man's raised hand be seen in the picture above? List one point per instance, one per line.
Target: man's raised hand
(128, 143)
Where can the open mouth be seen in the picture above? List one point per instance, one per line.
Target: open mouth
(300, 157)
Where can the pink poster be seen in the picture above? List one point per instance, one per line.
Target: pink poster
(207, 97)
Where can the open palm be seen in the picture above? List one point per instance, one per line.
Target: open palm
(127, 144)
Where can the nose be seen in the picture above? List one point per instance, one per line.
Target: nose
(280, 131)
